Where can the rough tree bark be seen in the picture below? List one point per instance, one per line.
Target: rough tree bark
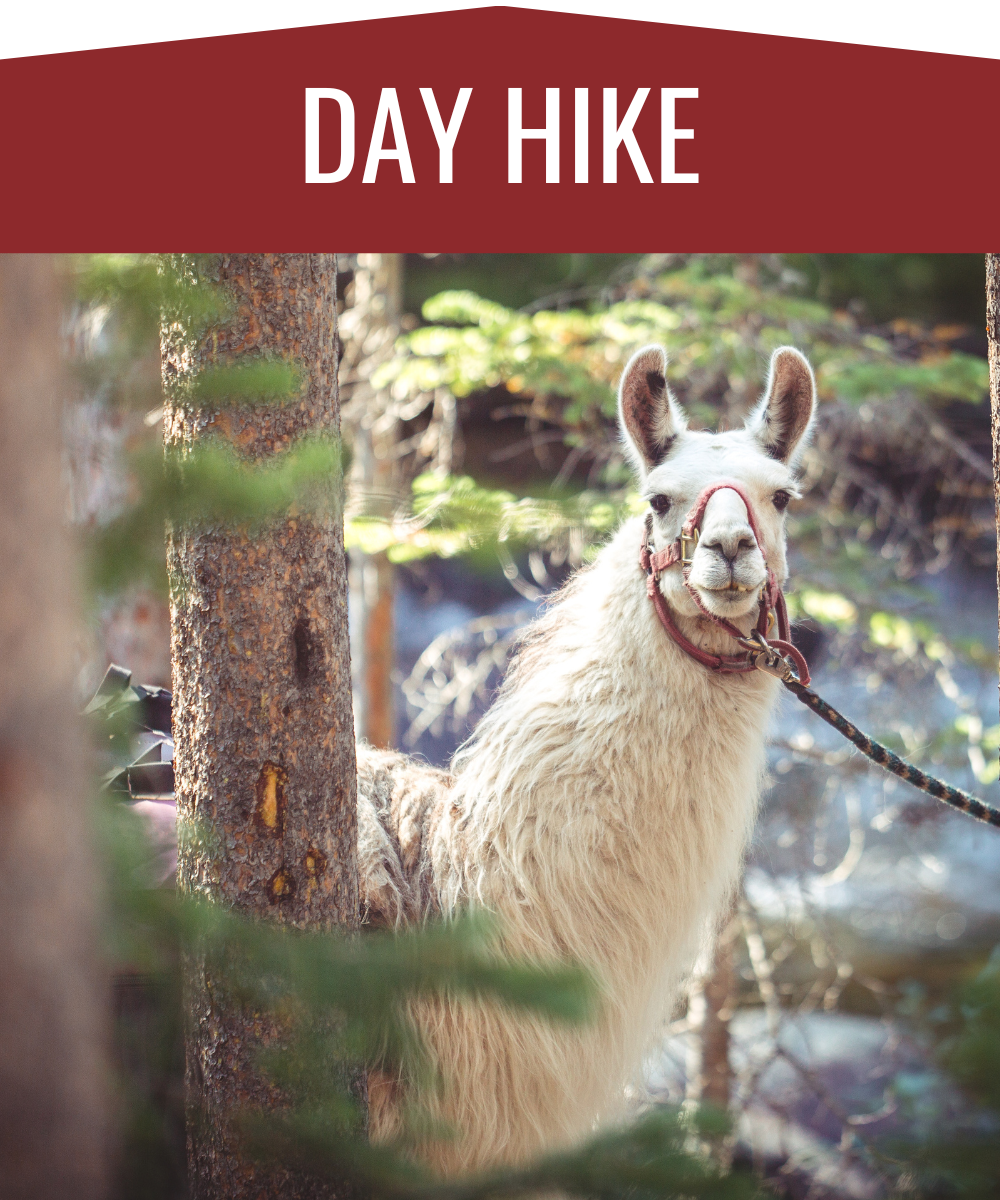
(993, 334)
(262, 693)
(52, 999)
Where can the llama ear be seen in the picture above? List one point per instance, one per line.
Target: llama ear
(782, 419)
(649, 417)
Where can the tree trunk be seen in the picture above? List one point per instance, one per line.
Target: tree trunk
(373, 589)
(993, 334)
(709, 1012)
(262, 684)
(378, 303)
(52, 1000)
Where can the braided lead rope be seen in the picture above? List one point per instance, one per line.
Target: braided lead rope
(953, 796)
(783, 660)
(768, 657)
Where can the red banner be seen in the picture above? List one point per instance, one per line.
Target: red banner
(795, 145)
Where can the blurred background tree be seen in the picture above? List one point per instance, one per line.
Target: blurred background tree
(54, 1103)
(371, 325)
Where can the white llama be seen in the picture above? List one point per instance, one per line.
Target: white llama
(604, 803)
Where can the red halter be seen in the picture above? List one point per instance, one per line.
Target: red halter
(759, 653)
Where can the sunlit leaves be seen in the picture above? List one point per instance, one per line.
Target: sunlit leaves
(455, 515)
(830, 608)
(893, 632)
(955, 377)
(718, 329)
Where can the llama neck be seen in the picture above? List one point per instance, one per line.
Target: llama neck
(612, 778)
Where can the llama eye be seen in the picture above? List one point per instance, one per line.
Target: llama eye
(780, 500)
(659, 504)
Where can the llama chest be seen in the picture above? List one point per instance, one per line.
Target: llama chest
(607, 827)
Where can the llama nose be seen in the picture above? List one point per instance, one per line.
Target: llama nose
(731, 545)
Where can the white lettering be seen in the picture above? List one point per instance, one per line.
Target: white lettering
(388, 106)
(582, 130)
(615, 135)
(445, 137)
(670, 136)
(516, 135)
(313, 173)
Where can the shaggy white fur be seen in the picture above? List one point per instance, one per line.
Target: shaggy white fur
(603, 805)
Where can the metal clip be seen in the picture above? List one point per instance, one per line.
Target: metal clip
(688, 558)
(765, 658)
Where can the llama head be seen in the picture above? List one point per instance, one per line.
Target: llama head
(675, 464)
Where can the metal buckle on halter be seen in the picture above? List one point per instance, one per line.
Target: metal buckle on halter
(688, 558)
(765, 658)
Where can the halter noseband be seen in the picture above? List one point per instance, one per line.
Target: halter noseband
(759, 653)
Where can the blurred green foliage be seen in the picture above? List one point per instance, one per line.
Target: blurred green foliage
(339, 1004)
(712, 322)
(511, 279)
(962, 1160)
(204, 485)
(926, 287)
(455, 515)
(209, 486)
